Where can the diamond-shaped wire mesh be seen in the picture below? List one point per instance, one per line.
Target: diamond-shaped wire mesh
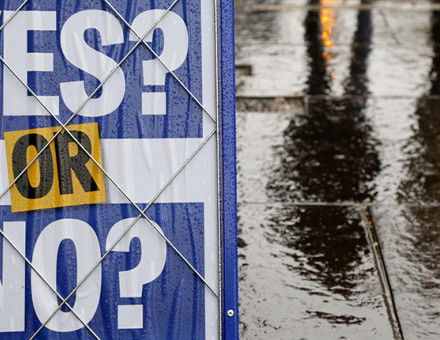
(6, 22)
(29, 263)
(142, 39)
(64, 128)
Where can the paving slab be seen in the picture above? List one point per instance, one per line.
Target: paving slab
(410, 243)
(286, 24)
(258, 136)
(408, 131)
(300, 51)
(307, 273)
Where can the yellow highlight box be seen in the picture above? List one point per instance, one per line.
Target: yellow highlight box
(63, 175)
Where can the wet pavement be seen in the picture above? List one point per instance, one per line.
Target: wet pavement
(339, 169)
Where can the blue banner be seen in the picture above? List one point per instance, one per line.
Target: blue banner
(172, 305)
(126, 117)
(124, 277)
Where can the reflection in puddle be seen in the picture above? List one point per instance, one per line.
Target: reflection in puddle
(329, 155)
(307, 270)
(422, 183)
(328, 245)
(327, 18)
(423, 168)
(413, 244)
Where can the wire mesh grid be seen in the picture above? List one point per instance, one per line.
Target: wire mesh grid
(142, 212)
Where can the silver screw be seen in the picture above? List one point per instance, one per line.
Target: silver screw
(230, 313)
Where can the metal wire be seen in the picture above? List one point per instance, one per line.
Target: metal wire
(219, 171)
(158, 58)
(82, 104)
(13, 14)
(47, 283)
(1, 232)
(120, 189)
(63, 127)
(107, 174)
(142, 212)
(109, 250)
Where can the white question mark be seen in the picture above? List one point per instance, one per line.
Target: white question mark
(174, 52)
(151, 264)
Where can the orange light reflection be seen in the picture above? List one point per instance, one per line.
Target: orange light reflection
(327, 17)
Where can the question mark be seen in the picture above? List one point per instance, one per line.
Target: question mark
(174, 52)
(151, 264)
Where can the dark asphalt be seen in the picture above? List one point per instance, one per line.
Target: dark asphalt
(339, 169)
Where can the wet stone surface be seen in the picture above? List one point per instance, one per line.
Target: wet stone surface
(306, 272)
(410, 237)
(338, 112)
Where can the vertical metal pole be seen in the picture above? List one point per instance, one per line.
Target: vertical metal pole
(219, 189)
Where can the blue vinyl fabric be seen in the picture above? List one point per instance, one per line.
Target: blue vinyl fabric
(228, 168)
(174, 303)
(184, 116)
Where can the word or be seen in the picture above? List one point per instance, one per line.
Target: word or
(62, 175)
